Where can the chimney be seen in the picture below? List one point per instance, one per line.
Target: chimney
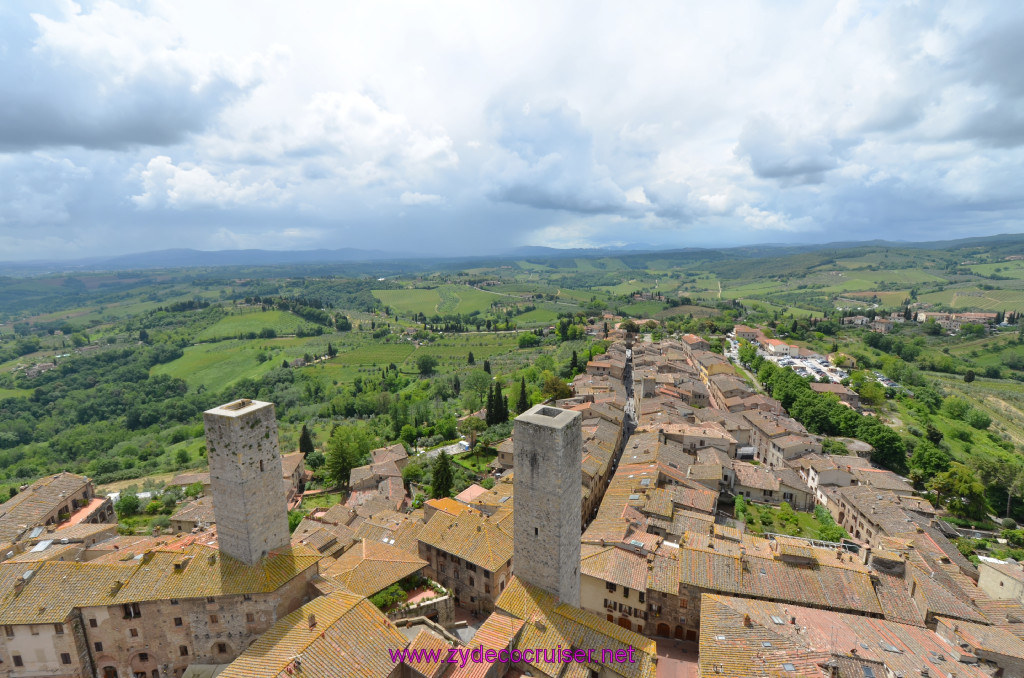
(312, 621)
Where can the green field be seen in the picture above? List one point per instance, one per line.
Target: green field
(974, 297)
(643, 309)
(761, 287)
(1009, 269)
(14, 393)
(885, 298)
(325, 500)
(223, 363)
(1001, 399)
(443, 300)
(282, 322)
(538, 316)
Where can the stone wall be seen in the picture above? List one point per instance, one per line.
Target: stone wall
(475, 589)
(440, 610)
(150, 635)
(245, 479)
(548, 478)
(43, 649)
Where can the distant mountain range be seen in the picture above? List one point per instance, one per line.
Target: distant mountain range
(189, 258)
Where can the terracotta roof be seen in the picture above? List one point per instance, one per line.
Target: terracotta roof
(30, 507)
(471, 537)
(470, 493)
(983, 637)
(291, 462)
(616, 565)
(51, 590)
(79, 532)
(369, 567)
(425, 642)
(549, 624)
(497, 632)
(750, 570)
(831, 388)
(351, 638)
(393, 453)
(883, 480)
(742, 638)
(663, 574)
(756, 476)
(448, 505)
(198, 511)
(191, 478)
(894, 598)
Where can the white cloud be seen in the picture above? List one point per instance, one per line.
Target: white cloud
(411, 198)
(766, 220)
(591, 123)
(187, 186)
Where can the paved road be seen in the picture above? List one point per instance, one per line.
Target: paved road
(450, 449)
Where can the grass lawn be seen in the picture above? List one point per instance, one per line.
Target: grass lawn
(886, 298)
(643, 309)
(282, 322)
(223, 363)
(542, 315)
(445, 299)
(326, 500)
(1010, 269)
(14, 393)
(975, 297)
(159, 479)
(476, 462)
(764, 518)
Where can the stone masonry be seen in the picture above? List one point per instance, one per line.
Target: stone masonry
(245, 478)
(548, 463)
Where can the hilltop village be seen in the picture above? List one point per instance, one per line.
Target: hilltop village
(611, 527)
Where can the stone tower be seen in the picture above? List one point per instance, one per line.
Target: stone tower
(548, 465)
(245, 478)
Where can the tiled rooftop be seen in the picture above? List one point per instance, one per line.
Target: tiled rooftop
(743, 638)
(349, 637)
(549, 624)
(31, 506)
(471, 537)
(369, 567)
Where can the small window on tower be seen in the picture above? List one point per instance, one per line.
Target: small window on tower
(536, 532)
(261, 466)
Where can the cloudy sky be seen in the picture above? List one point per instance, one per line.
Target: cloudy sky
(451, 127)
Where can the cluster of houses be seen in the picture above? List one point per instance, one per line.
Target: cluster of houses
(950, 322)
(667, 437)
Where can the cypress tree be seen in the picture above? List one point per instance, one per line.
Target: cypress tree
(524, 400)
(499, 405)
(489, 417)
(305, 441)
(441, 482)
(487, 366)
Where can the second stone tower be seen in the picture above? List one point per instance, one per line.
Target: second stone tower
(548, 465)
(245, 478)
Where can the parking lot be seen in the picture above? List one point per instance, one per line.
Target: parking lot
(817, 368)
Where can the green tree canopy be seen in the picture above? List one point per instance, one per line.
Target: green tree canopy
(305, 441)
(442, 480)
(348, 447)
(960, 491)
(426, 364)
